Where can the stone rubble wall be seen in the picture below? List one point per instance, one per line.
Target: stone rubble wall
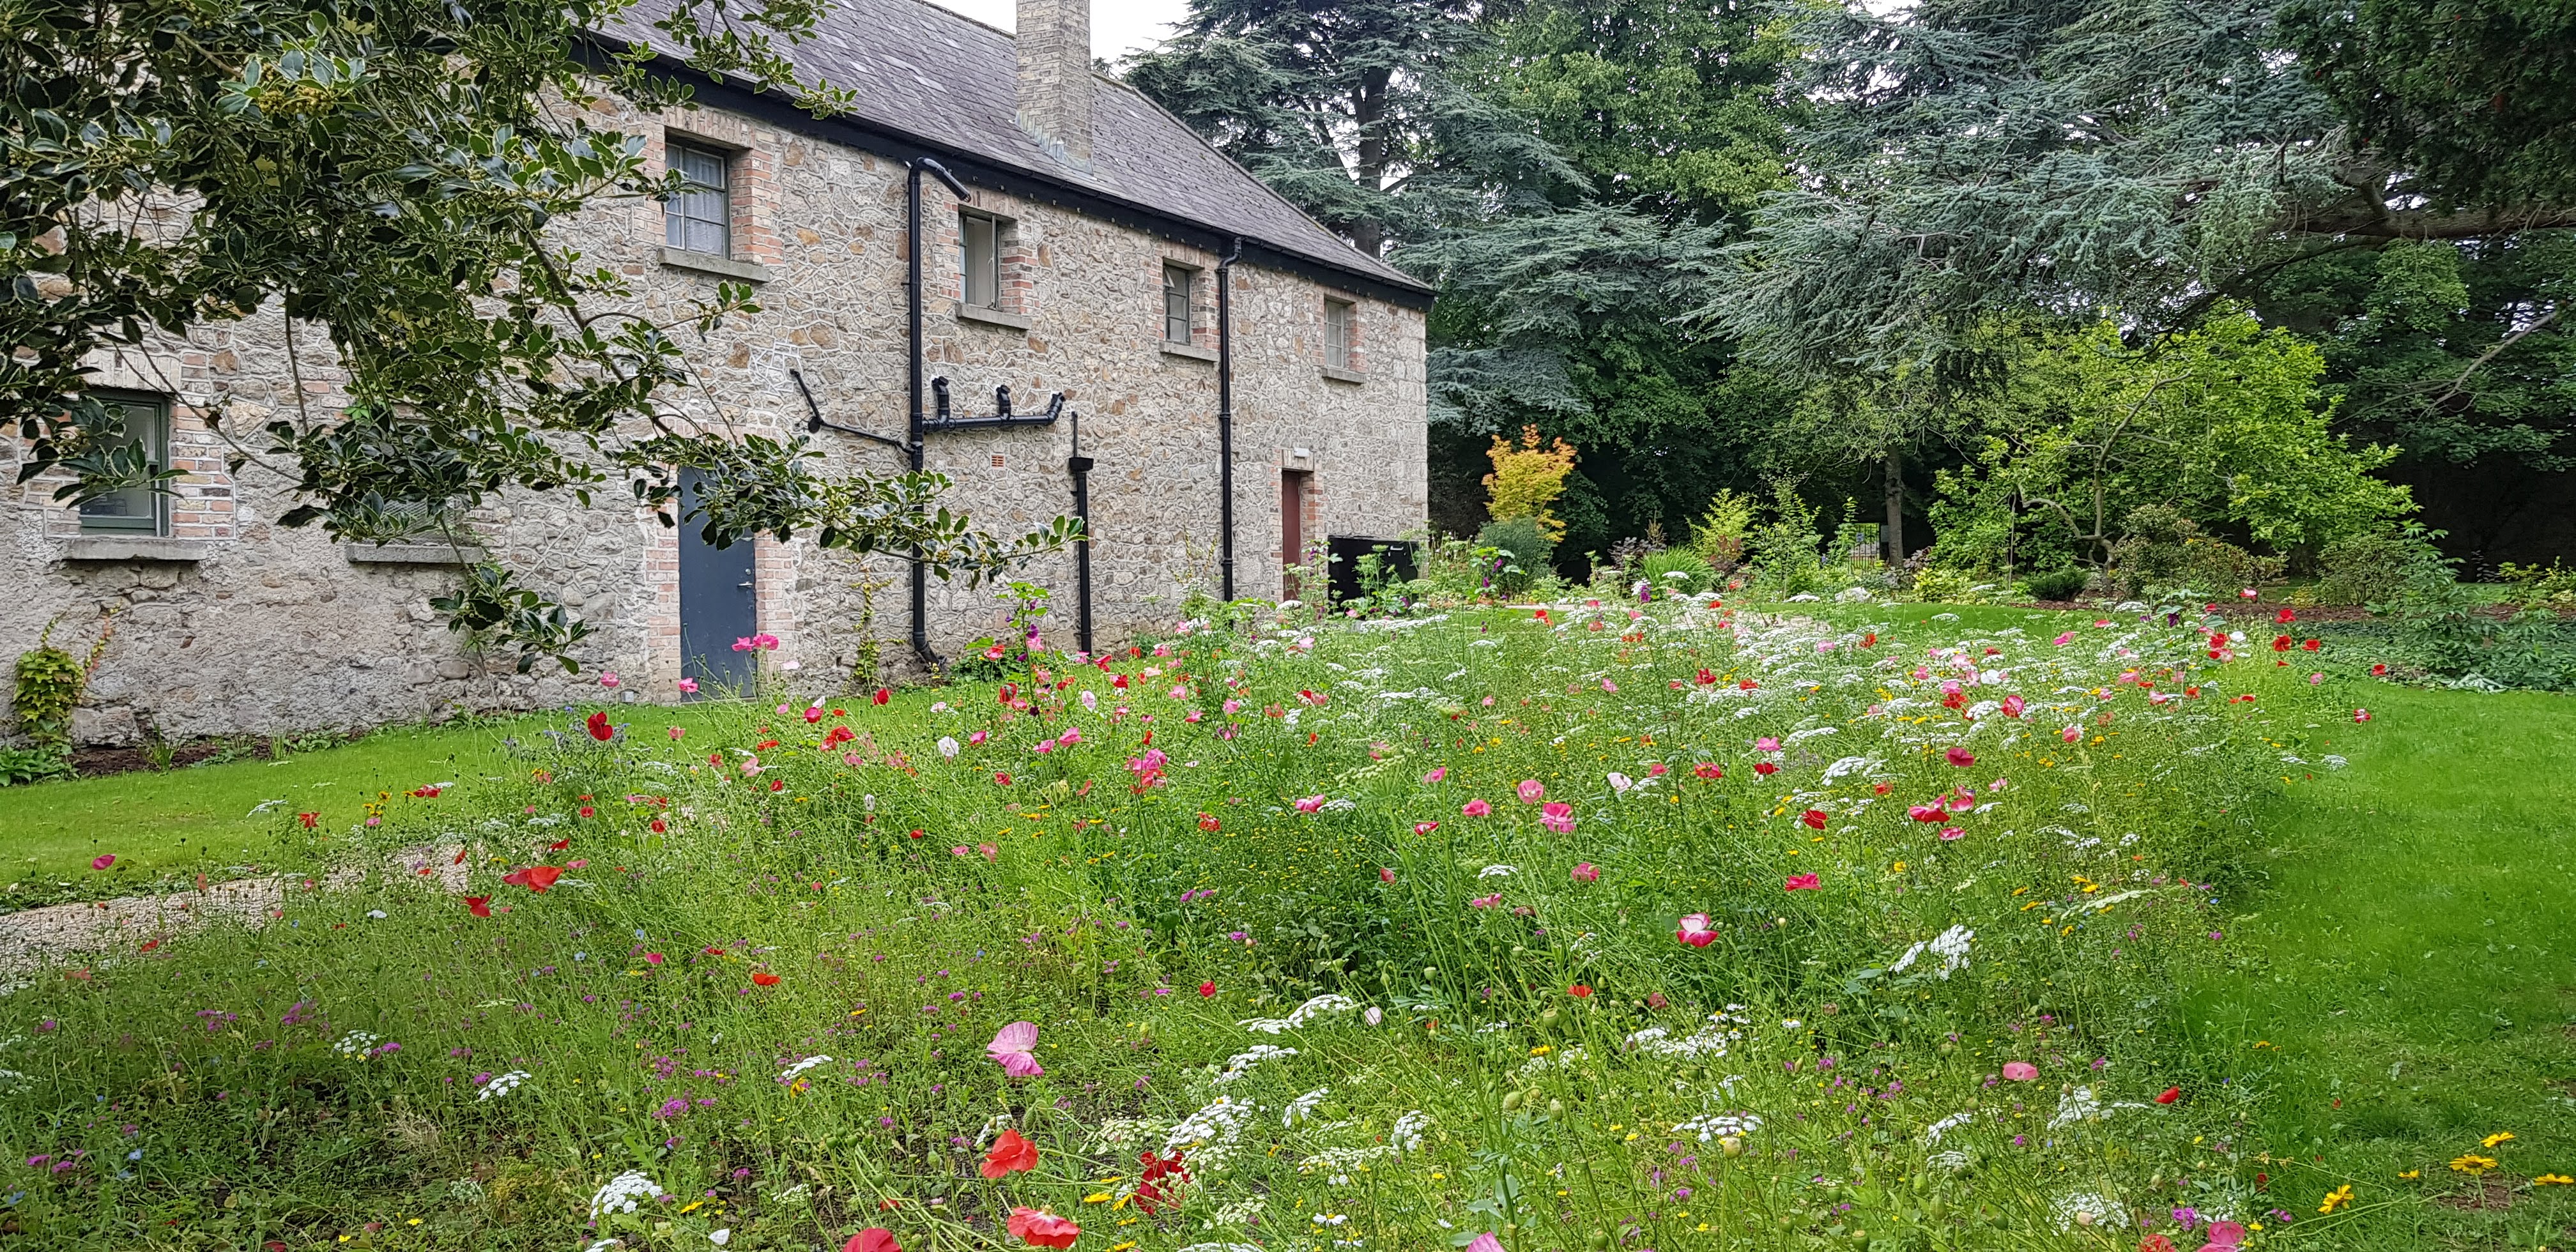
(269, 630)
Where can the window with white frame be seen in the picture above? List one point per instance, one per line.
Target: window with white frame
(138, 510)
(700, 218)
(979, 258)
(1179, 285)
(1340, 323)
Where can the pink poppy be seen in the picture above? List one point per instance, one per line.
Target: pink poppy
(1951, 832)
(872, 1239)
(1766, 744)
(1476, 808)
(1696, 931)
(104, 860)
(1310, 804)
(608, 679)
(1010, 1049)
(1800, 882)
(1484, 1243)
(1436, 775)
(1385, 875)
(1530, 791)
(2224, 1237)
(2064, 639)
(1585, 872)
(1424, 828)
(1707, 771)
(1558, 817)
(1041, 1229)
(2020, 1071)
(688, 686)
(1926, 813)
(2361, 715)
(677, 734)
(2071, 733)
(1960, 757)
(1486, 902)
(2013, 706)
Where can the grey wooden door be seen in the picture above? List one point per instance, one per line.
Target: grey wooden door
(718, 603)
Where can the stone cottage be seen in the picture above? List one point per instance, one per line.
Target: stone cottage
(1083, 257)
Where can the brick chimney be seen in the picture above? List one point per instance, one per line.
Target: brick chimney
(1054, 43)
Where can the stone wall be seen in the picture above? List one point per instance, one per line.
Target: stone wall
(232, 624)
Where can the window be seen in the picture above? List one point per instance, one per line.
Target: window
(134, 510)
(699, 219)
(1339, 318)
(1177, 287)
(979, 252)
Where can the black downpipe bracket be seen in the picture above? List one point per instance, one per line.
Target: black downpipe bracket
(914, 246)
(1224, 422)
(1080, 467)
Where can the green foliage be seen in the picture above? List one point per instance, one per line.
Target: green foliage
(2220, 426)
(2161, 551)
(1521, 551)
(20, 766)
(1719, 535)
(2057, 584)
(2454, 631)
(1783, 545)
(49, 685)
(2373, 567)
(387, 180)
(1676, 570)
(2470, 94)
(2552, 584)
(1974, 163)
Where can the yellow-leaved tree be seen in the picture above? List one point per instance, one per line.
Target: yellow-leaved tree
(1527, 478)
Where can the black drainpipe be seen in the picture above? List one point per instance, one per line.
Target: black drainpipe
(913, 435)
(1224, 419)
(1080, 466)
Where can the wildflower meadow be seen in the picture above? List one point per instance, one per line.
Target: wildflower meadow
(1639, 926)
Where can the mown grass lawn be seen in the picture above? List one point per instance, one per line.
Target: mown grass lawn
(2403, 988)
(240, 816)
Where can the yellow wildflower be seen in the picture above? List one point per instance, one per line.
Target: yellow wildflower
(2496, 1138)
(2472, 1164)
(2553, 1180)
(2336, 1199)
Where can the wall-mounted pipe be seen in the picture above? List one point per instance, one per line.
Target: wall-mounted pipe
(1080, 467)
(915, 245)
(1225, 418)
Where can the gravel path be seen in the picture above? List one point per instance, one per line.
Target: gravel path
(35, 938)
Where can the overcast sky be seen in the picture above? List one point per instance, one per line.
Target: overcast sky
(1118, 27)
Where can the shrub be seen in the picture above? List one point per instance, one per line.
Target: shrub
(2373, 567)
(1720, 533)
(1784, 548)
(2058, 584)
(1521, 553)
(1527, 478)
(1676, 570)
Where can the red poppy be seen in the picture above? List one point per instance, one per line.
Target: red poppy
(880, 696)
(559, 845)
(1041, 1229)
(2155, 1243)
(1814, 818)
(1801, 882)
(151, 944)
(2285, 616)
(480, 906)
(872, 1239)
(659, 826)
(1207, 988)
(1746, 684)
(1208, 822)
(1707, 678)
(1765, 768)
(2379, 671)
(1579, 991)
(308, 819)
(2169, 1095)
(535, 878)
(1869, 640)
(1708, 771)
(1011, 1154)
(2281, 643)
(597, 724)
(2312, 645)
(763, 978)
(585, 811)
(775, 784)
(1007, 693)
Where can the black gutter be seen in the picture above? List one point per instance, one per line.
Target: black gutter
(1225, 419)
(1080, 467)
(777, 110)
(913, 246)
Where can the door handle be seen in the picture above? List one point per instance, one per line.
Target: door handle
(744, 586)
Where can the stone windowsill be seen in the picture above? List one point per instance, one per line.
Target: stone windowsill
(1190, 350)
(409, 554)
(1337, 374)
(721, 266)
(135, 548)
(994, 317)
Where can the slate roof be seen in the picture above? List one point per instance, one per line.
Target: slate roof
(952, 82)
